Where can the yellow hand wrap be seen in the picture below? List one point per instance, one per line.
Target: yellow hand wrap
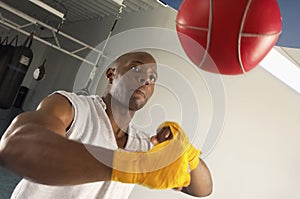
(191, 152)
(165, 166)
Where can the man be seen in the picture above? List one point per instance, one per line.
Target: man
(58, 146)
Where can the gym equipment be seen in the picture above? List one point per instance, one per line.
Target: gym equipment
(15, 72)
(228, 36)
(290, 21)
(39, 72)
(6, 52)
(21, 97)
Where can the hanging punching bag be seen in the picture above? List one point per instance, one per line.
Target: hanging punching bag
(15, 72)
(2, 56)
(229, 37)
(6, 53)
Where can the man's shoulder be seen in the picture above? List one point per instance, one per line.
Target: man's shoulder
(71, 96)
(63, 92)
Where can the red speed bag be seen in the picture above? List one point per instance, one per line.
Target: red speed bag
(228, 36)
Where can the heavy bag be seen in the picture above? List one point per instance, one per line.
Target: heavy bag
(21, 97)
(15, 73)
(6, 53)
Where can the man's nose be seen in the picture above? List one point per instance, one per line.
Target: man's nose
(144, 80)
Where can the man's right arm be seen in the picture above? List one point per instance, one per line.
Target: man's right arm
(34, 146)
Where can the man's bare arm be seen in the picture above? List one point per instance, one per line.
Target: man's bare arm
(201, 181)
(34, 146)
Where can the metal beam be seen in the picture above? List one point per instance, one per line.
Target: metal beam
(32, 20)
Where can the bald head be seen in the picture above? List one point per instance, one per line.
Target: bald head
(123, 59)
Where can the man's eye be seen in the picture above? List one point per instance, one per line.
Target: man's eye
(135, 68)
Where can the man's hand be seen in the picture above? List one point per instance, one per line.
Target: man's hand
(201, 183)
(169, 130)
(165, 166)
(162, 135)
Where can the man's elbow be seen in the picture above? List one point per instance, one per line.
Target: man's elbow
(203, 192)
(12, 148)
(3, 151)
(8, 151)
(1, 158)
(4, 155)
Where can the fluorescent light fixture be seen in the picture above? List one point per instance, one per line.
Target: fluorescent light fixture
(120, 2)
(162, 3)
(282, 68)
(48, 8)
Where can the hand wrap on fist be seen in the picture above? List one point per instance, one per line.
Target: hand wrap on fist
(166, 165)
(190, 151)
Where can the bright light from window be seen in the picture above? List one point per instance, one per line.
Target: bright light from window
(162, 3)
(48, 8)
(120, 2)
(282, 68)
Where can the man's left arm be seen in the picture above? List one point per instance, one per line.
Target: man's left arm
(201, 181)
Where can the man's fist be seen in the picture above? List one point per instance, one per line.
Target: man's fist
(166, 165)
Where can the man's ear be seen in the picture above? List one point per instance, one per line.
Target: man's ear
(110, 74)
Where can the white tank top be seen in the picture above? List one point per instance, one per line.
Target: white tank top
(90, 126)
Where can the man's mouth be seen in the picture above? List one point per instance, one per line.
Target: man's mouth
(140, 92)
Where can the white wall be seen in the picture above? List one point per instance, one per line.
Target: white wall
(257, 154)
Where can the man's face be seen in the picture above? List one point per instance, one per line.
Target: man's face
(134, 80)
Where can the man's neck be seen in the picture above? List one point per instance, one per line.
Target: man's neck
(119, 116)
